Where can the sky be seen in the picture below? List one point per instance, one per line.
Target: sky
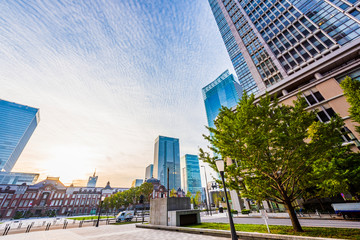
(109, 77)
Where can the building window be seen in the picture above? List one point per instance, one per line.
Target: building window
(6, 203)
(9, 212)
(313, 96)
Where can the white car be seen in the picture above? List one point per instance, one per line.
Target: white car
(125, 216)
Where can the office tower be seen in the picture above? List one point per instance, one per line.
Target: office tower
(167, 156)
(149, 171)
(293, 46)
(280, 38)
(92, 180)
(16, 178)
(223, 91)
(190, 174)
(137, 182)
(17, 123)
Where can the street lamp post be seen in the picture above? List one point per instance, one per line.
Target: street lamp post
(220, 167)
(208, 204)
(101, 202)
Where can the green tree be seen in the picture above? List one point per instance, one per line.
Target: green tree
(197, 198)
(188, 194)
(349, 169)
(146, 189)
(173, 193)
(277, 151)
(351, 89)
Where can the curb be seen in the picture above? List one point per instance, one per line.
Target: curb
(225, 233)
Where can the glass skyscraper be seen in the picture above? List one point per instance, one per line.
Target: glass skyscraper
(17, 124)
(149, 171)
(223, 91)
(167, 155)
(137, 182)
(17, 178)
(190, 174)
(281, 40)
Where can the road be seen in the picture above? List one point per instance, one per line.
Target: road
(108, 232)
(275, 221)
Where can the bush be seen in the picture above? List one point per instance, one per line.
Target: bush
(245, 211)
(18, 215)
(234, 211)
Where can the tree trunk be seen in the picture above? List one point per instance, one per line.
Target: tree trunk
(294, 220)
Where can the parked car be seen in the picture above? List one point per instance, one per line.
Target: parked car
(125, 216)
(347, 210)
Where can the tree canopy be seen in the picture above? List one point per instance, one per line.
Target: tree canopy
(351, 89)
(277, 151)
(129, 197)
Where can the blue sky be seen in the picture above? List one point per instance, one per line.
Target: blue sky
(108, 77)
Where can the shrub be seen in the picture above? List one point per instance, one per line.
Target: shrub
(245, 211)
(18, 215)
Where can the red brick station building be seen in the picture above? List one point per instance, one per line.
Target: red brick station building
(51, 196)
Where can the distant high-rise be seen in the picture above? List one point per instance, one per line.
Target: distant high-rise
(149, 171)
(223, 91)
(137, 182)
(17, 124)
(92, 180)
(190, 174)
(167, 156)
(17, 178)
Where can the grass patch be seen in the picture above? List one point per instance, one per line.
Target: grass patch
(89, 218)
(325, 232)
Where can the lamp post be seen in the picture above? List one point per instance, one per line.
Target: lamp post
(101, 202)
(167, 198)
(208, 204)
(220, 166)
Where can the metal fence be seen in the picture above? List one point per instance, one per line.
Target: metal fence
(30, 225)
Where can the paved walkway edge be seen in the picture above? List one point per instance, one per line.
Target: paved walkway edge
(224, 233)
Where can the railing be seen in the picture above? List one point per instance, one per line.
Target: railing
(30, 225)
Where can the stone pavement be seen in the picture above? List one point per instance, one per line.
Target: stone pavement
(108, 232)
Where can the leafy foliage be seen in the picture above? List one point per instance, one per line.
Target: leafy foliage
(173, 193)
(197, 198)
(188, 194)
(352, 93)
(349, 170)
(277, 151)
(129, 197)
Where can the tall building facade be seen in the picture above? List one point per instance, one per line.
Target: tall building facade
(17, 124)
(167, 156)
(137, 182)
(279, 39)
(237, 57)
(16, 178)
(190, 174)
(51, 196)
(223, 91)
(293, 46)
(92, 180)
(149, 171)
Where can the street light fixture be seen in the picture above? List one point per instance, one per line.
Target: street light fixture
(101, 202)
(208, 204)
(220, 166)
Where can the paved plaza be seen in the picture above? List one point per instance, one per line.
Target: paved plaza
(107, 232)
